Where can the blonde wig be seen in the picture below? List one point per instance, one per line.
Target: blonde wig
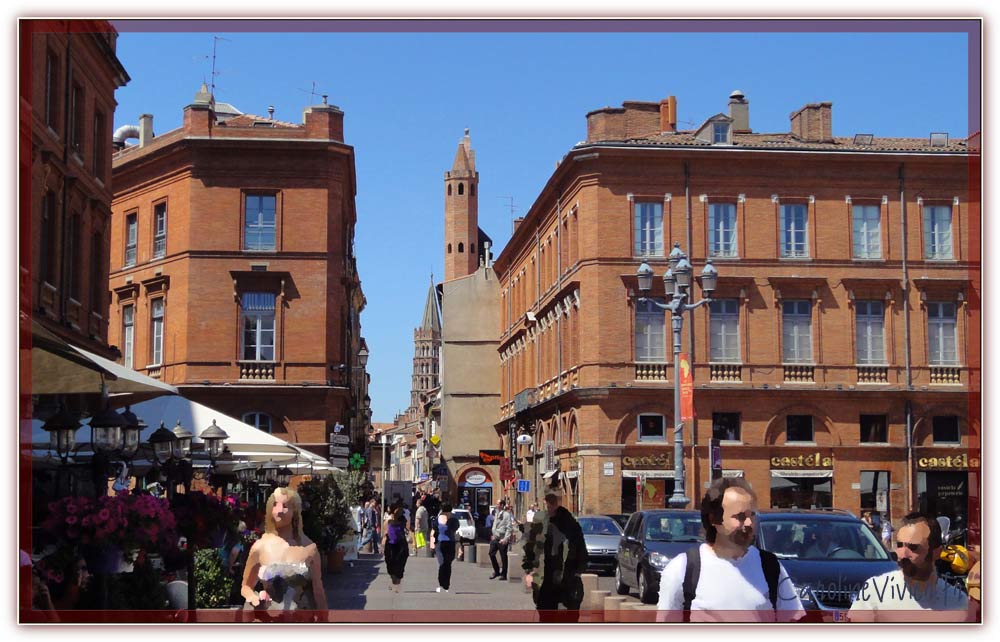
(295, 503)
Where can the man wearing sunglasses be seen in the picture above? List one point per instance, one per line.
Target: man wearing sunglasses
(914, 592)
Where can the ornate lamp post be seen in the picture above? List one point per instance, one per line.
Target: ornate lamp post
(677, 284)
(62, 428)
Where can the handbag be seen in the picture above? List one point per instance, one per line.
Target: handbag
(421, 541)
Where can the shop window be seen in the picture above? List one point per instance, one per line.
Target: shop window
(875, 491)
(811, 491)
(652, 428)
(945, 429)
(799, 428)
(648, 229)
(874, 429)
(726, 426)
(259, 420)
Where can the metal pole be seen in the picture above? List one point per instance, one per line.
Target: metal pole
(679, 499)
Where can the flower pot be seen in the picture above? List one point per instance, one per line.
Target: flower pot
(104, 560)
(334, 561)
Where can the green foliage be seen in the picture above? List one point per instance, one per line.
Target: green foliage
(326, 503)
(211, 584)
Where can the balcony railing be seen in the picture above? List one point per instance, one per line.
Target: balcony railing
(725, 372)
(651, 371)
(800, 374)
(256, 370)
(873, 374)
(946, 375)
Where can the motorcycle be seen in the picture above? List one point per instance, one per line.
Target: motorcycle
(955, 561)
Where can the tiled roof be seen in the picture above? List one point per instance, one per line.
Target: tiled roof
(247, 121)
(787, 141)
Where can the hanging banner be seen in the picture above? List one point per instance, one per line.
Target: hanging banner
(687, 388)
(550, 456)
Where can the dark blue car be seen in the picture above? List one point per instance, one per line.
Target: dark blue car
(651, 539)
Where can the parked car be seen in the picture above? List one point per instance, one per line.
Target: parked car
(601, 534)
(651, 539)
(466, 526)
(621, 518)
(828, 555)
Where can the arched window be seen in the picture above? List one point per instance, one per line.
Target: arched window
(461, 248)
(461, 189)
(259, 420)
(449, 248)
(449, 190)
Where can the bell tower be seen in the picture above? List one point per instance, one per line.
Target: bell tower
(461, 213)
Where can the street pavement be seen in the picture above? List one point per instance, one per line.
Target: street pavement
(361, 593)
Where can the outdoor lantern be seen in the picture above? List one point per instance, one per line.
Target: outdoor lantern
(162, 441)
(675, 255)
(284, 475)
(182, 447)
(106, 431)
(669, 282)
(62, 428)
(130, 432)
(268, 472)
(645, 276)
(368, 402)
(363, 356)
(709, 278)
(244, 472)
(683, 273)
(213, 436)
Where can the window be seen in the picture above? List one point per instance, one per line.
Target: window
(724, 317)
(52, 90)
(726, 426)
(937, 232)
(722, 229)
(100, 146)
(720, 133)
(873, 484)
(461, 189)
(131, 238)
(76, 118)
(874, 429)
(652, 428)
(449, 248)
(649, 229)
(128, 335)
(867, 231)
(869, 332)
(461, 248)
(799, 428)
(650, 330)
(259, 420)
(98, 280)
(945, 429)
(260, 222)
(159, 230)
(156, 334)
(794, 219)
(258, 326)
(941, 334)
(74, 252)
(47, 258)
(796, 331)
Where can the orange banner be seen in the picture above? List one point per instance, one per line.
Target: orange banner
(687, 388)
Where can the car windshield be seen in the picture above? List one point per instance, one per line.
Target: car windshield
(599, 526)
(674, 528)
(463, 516)
(808, 539)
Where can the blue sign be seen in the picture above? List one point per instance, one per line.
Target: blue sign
(524, 485)
(423, 477)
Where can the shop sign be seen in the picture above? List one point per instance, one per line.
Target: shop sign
(663, 460)
(815, 460)
(609, 469)
(475, 479)
(550, 456)
(950, 462)
(490, 457)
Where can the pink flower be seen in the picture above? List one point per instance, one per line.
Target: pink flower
(72, 509)
(104, 514)
(72, 519)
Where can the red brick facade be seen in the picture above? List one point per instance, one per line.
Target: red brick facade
(258, 238)
(569, 300)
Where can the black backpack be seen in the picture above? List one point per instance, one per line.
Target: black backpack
(768, 563)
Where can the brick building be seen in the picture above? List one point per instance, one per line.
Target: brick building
(839, 364)
(232, 267)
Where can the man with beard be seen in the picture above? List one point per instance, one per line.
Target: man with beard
(727, 579)
(914, 592)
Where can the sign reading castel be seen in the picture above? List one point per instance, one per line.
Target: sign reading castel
(812, 460)
(663, 460)
(949, 462)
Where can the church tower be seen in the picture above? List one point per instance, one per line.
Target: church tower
(426, 354)
(461, 214)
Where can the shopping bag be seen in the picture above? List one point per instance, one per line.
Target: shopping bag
(420, 540)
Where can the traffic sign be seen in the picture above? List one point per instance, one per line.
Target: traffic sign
(435, 440)
(340, 440)
(338, 462)
(524, 485)
(340, 451)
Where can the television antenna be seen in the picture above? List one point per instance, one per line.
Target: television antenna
(512, 209)
(313, 93)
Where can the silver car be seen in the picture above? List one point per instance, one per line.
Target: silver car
(601, 534)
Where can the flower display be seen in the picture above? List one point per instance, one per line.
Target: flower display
(128, 522)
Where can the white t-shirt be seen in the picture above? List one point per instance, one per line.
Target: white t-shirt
(890, 591)
(727, 591)
(530, 515)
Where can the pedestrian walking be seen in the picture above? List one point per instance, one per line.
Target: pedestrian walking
(370, 526)
(422, 527)
(887, 532)
(395, 545)
(727, 578)
(530, 515)
(444, 534)
(555, 555)
(501, 531)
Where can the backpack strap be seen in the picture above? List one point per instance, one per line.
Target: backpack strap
(692, 573)
(772, 571)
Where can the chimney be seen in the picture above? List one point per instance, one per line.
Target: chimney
(517, 222)
(668, 114)
(145, 129)
(324, 121)
(813, 123)
(739, 111)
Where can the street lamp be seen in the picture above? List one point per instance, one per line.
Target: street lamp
(213, 436)
(162, 441)
(676, 284)
(130, 432)
(62, 428)
(363, 356)
(283, 476)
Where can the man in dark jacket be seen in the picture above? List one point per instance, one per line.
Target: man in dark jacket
(554, 557)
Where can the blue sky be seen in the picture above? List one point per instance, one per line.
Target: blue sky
(407, 98)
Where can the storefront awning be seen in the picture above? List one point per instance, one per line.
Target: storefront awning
(799, 474)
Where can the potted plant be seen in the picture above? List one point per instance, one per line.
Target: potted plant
(326, 517)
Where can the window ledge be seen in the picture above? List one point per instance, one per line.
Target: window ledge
(858, 259)
(875, 443)
(800, 443)
(724, 257)
(795, 258)
(730, 442)
(947, 444)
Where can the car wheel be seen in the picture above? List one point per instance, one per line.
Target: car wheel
(621, 588)
(646, 595)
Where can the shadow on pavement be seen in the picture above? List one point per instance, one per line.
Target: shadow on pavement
(346, 590)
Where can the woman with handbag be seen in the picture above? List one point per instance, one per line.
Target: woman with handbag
(395, 545)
